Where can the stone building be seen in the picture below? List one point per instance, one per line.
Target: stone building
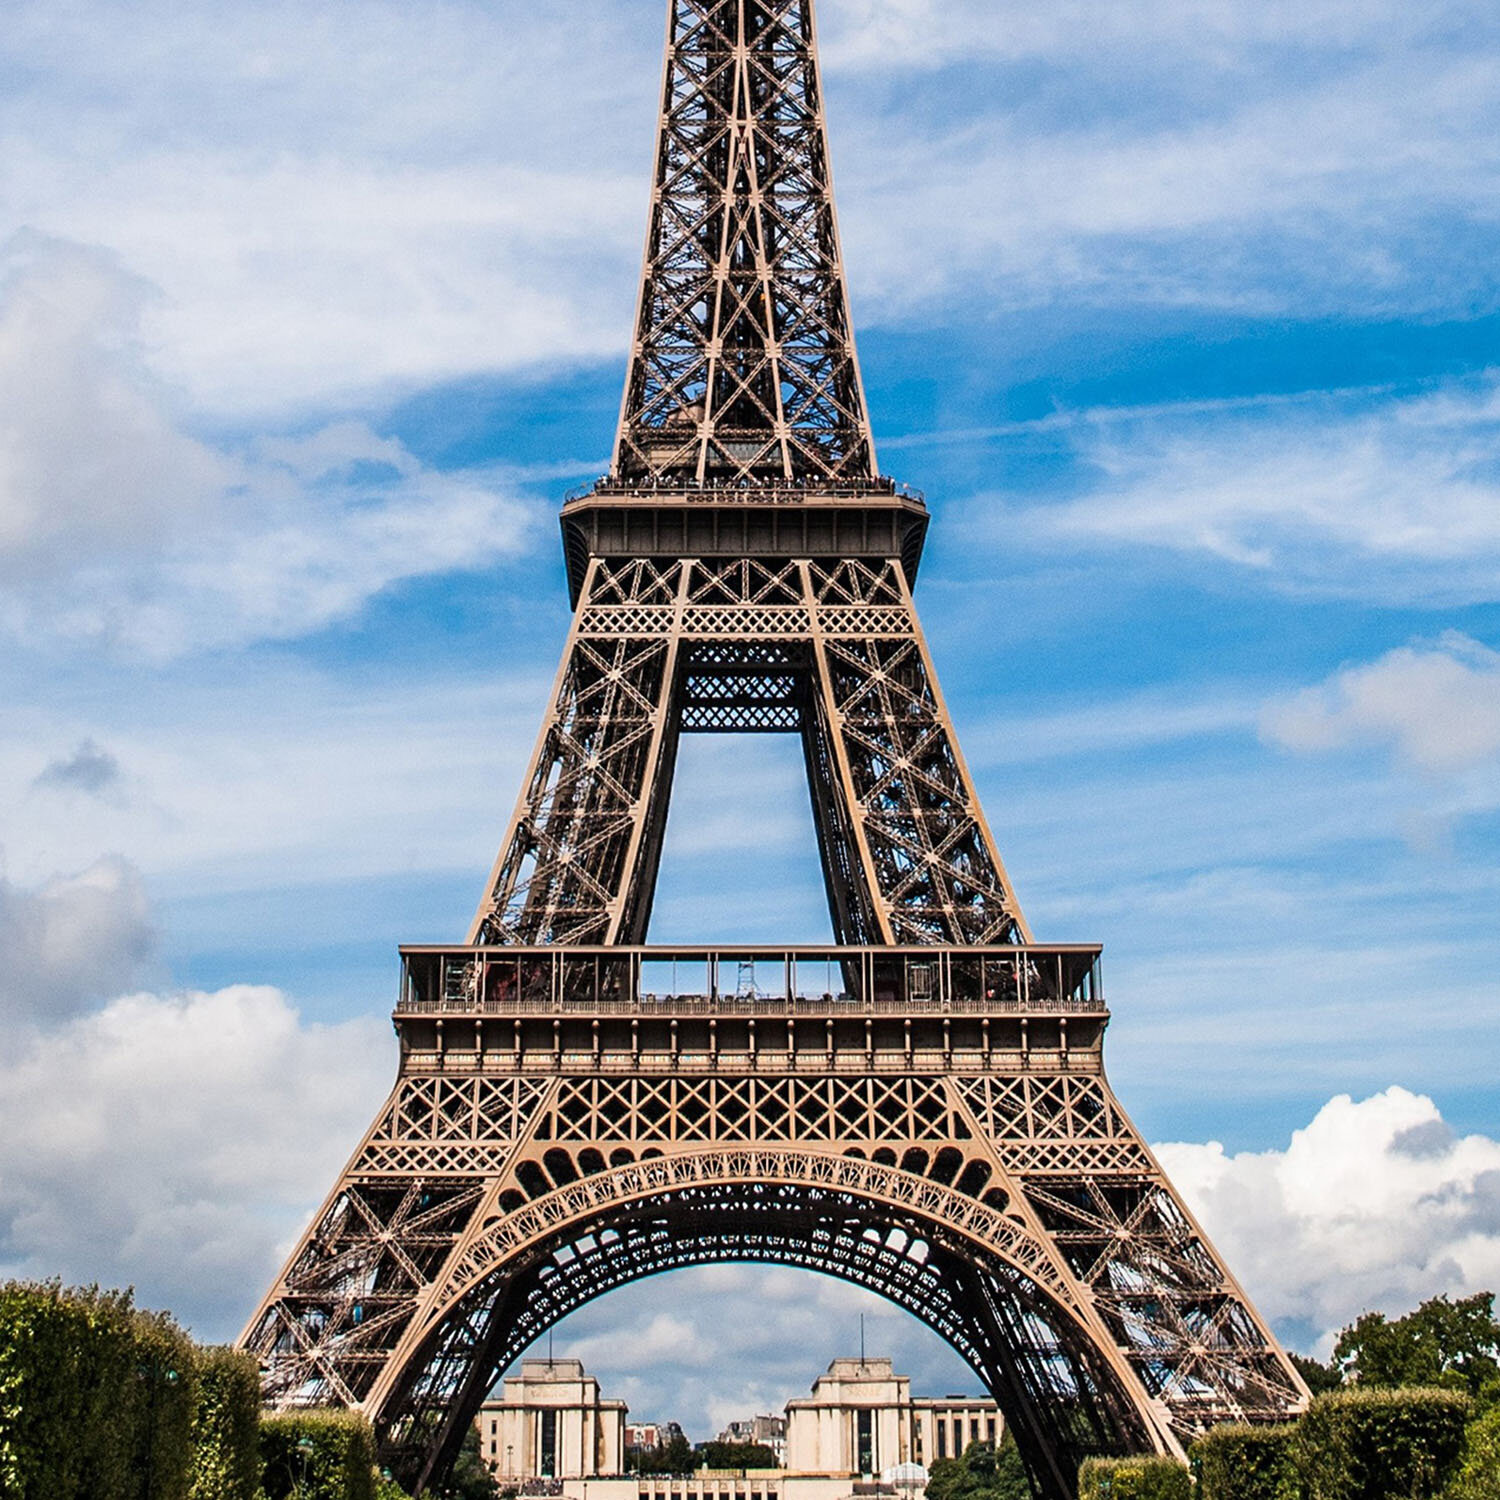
(859, 1435)
(862, 1419)
(551, 1423)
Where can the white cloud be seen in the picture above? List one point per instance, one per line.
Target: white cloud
(68, 943)
(1374, 1205)
(362, 200)
(178, 1143)
(346, 201)
(1373, 496)
(887, 34)
(1437, 706)
(89, 456)
(277, 774)
(116, 526)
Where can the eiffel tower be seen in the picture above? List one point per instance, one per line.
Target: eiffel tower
(920, 1108)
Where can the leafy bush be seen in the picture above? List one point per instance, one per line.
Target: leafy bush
(318, 1455)
(1478, 1477)
(1133, 1479)
(1241, 1462)
(226, 1427)
(96, 1398)
(165, 1381)
(1379, 1445)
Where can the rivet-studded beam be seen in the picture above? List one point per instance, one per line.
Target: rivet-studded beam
(744, 363)
(832, 649)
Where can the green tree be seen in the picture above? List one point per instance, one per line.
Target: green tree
(717, 1455)
(471, 1478)
(984, 1472)
(1320, 1378)
(1443, 1343)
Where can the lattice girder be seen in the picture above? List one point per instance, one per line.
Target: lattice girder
(830, 648)
(397, 1301)
(932, 1119)
(744, 364)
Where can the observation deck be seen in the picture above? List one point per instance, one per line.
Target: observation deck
(812, 1009)
(745, 517)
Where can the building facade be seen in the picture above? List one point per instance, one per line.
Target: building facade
(551, 1422)
(861, 1419)
(766, 1431)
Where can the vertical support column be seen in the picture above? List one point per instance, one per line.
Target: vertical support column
(836, 805)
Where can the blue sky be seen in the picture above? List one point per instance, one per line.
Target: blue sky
(1185, 321)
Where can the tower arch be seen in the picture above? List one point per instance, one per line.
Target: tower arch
(975, 1275)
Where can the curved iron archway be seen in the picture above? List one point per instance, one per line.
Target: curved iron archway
(970, 1272)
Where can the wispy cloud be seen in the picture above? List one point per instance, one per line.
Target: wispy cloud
(343, 205)
(119, 527)
(1392, 500)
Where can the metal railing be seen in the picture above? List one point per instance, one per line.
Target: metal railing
(767, 491)
(751, 981)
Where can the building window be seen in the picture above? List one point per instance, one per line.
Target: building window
(989, 1430)
(942, 1437)
(549, 1445)
(865, 1430)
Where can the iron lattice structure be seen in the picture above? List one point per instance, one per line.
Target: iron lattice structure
(922, 1108)
(744, 363)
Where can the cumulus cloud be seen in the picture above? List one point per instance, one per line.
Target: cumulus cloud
(1376, 1204)
(1437, 706)
(178, 1143)
(117, 526)
(68, 943)
(1367, 495)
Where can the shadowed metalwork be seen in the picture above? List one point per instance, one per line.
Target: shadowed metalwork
(922, 1107)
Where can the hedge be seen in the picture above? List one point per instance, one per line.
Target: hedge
(1241, 1462)
(226, 1427)
(96, 1398)
(317, 1455)
(1379, 1444)
(1133, 1479)
(1478, 1477)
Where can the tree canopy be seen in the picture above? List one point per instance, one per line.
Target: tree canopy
(1442, 1343)
(984, 1472)
(675, 1456)
(717, 1455)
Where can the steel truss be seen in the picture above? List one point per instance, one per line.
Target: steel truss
(832, 649)
(1017, 1212)
(931, 1119)
(744, 362)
